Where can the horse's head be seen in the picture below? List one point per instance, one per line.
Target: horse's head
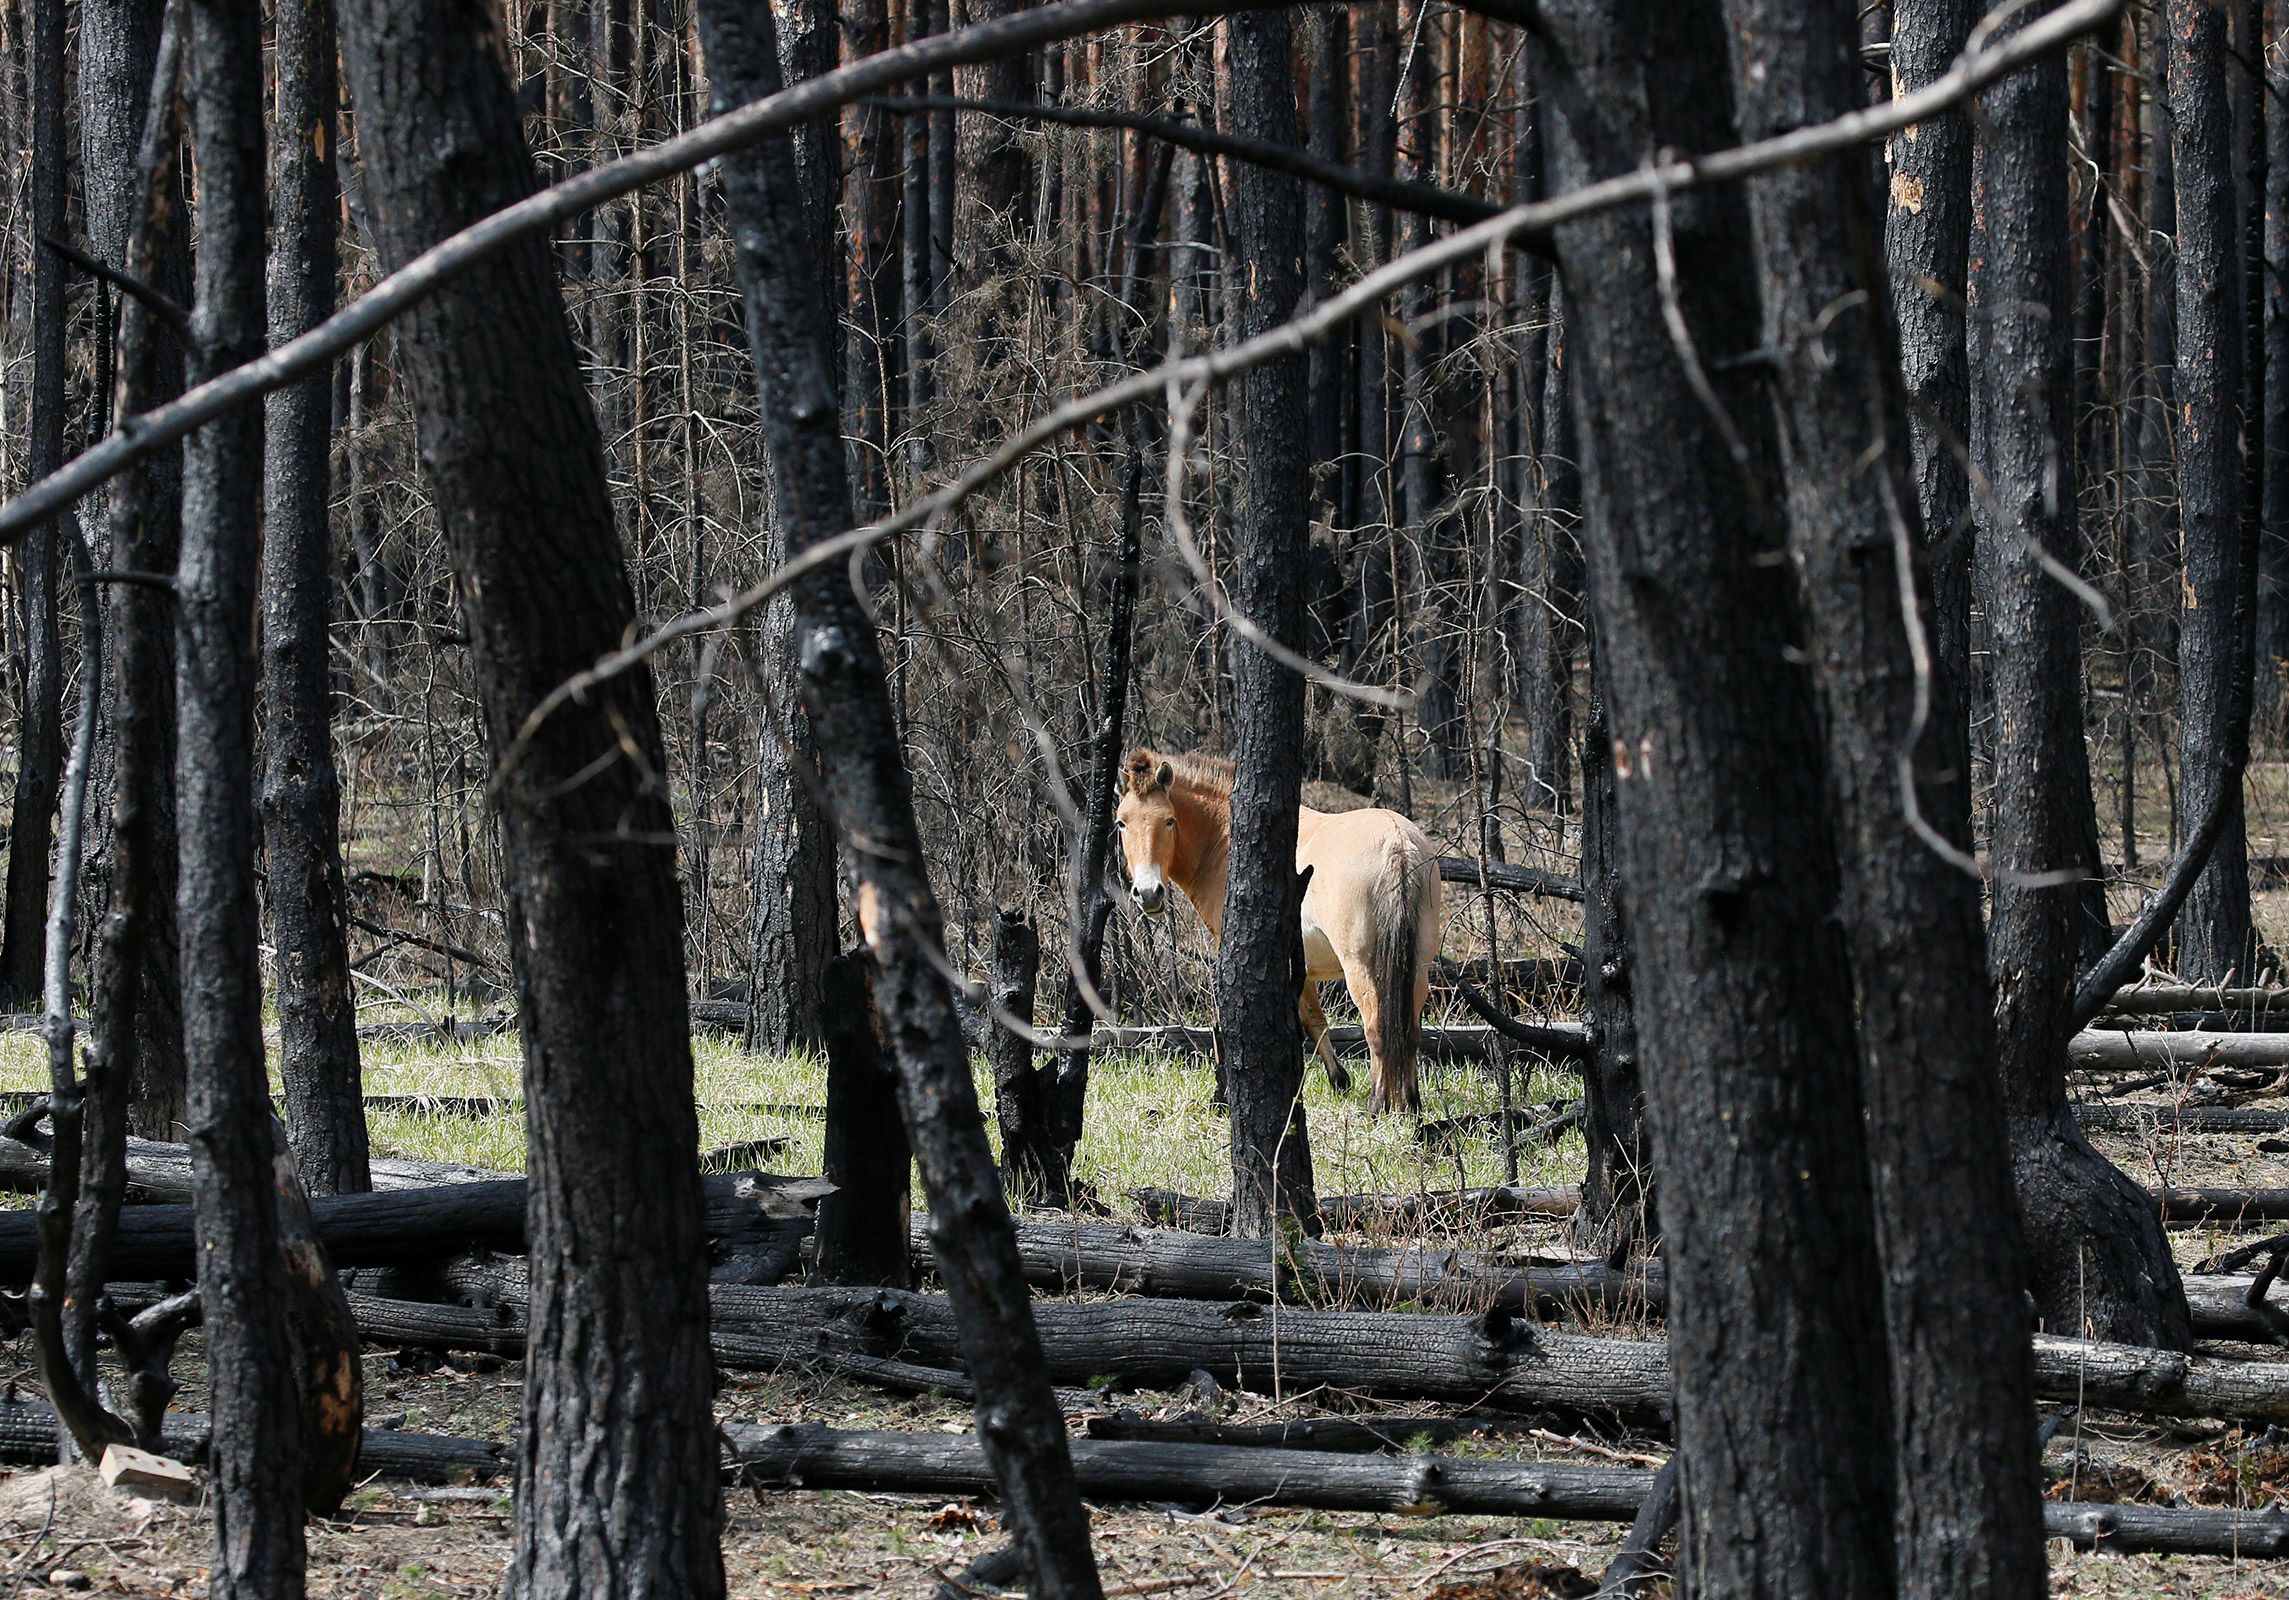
(1147, 819)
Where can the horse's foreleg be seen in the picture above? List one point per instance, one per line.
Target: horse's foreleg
(1315, 1025)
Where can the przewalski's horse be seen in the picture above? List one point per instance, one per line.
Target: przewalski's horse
(1370, 912)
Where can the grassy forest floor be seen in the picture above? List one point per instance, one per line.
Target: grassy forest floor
(1151, 1123)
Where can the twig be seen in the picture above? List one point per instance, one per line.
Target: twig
(1400, 194)
(160, 304)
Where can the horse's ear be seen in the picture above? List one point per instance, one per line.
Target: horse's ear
(1164, 777)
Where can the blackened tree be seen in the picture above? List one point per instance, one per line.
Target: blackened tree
(2214, 930)
(616, 1484)
(791, 330)
(256, 1450)
(40, 741)
(137, 991)
(1775, 1305)
(301, 798)
(2097, 1261)
(1261, 1057)
(1966, 1480)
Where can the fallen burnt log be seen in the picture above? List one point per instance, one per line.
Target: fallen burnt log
(1493, 1359)
(1348, 1213)
(162, 1172)
(2116, 1049)
(28, 1439)
(490, 1321)
(1349, 1435)
(1517, 880)
(2222, 1310)
(2152, 1119)
(812, 1457)
(2161, 1000)
(2224, 1205)
(755, 1226)
(1063, 1256)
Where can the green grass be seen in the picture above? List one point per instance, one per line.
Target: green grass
(1150, 1122)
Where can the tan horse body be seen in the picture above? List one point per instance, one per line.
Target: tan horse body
(1370, 914)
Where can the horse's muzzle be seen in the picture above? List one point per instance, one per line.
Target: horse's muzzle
(1151, 898)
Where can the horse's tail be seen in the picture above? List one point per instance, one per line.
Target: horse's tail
(1406, 902)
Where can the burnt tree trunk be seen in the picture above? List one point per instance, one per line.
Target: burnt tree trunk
(301, 798)
(2214, 933)
(994, 199)
(2272, 641)
(618, 1381)
(1551, 613)
(135, 973)
(256, 1454)
(40, 736)
(1068, 1093)
(846, 691)
(1726, 854)
(871, 139)
(792, 933)
(2097, 1261)
(862, 1225)
(1017, 1097)
(1617, 1215)
(1966, 1479)
(139, 621)
(1259, 1042)
(1927, 245)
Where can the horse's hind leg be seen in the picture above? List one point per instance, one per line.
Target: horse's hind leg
(1315, 1024)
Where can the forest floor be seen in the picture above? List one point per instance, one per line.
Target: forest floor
(1151, 1123)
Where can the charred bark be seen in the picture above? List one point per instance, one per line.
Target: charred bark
(1017, 1086)
(1068, 1091)
(993, 202)
(618, 1386)
(793, 932)
(862, 1225)
(1259, 1043)
(847, 694)
(2214, 932)
(256, 1455)
(1617, 1215)
(301, 797)
(40, 735)
(2097, 1258)
(1965, 1467)
(138, 926)
(135, 197)
(2272, 641)
(1927, 245)
(1550, 631)
(1725, 849)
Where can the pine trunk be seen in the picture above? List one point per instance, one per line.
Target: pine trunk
(1745, 1024)
(301, 797)
(2098, 1263)
(256, 1452)
(618, 1476)
(846, 692)
(1968, 1517)
(2214, 933)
